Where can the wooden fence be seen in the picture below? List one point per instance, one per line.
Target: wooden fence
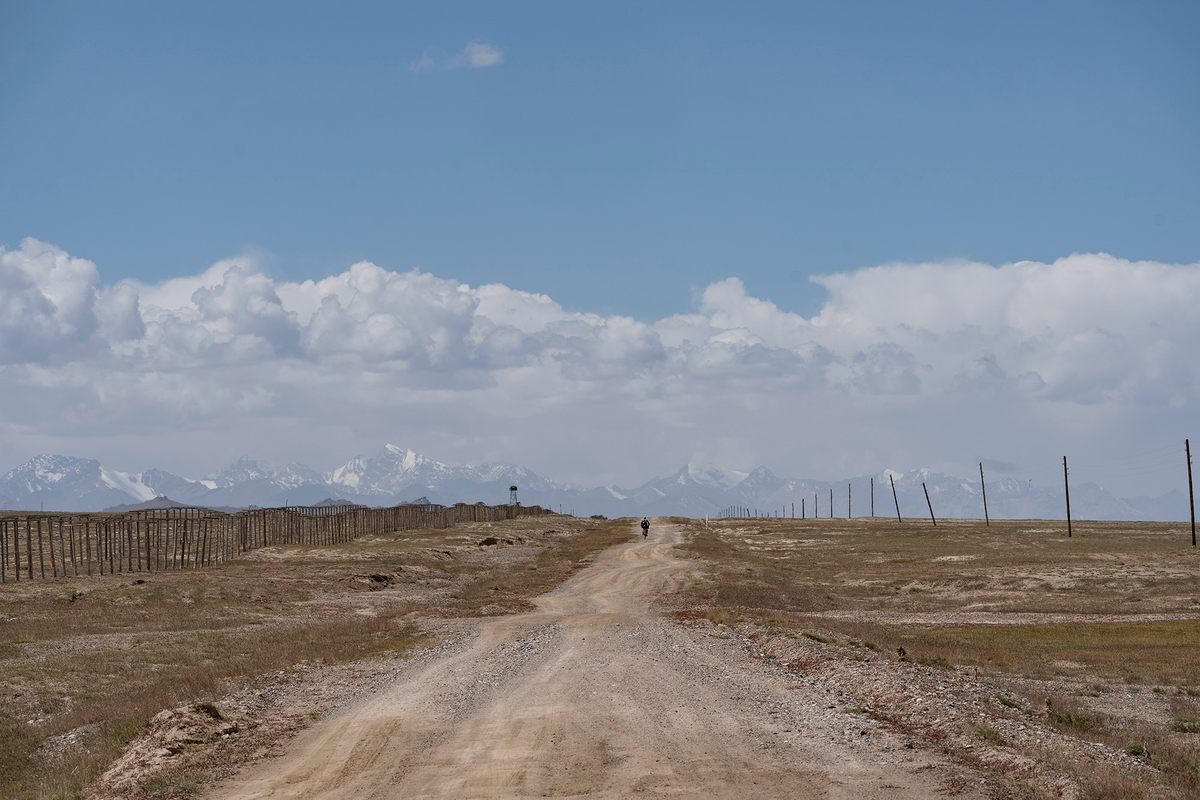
(49, 545)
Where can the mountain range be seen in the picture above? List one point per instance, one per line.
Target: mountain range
(397, 474)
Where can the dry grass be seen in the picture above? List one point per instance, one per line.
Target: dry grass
(511, 590)
(1107, 615)
(1011, 567)
(85, 663)
(1160, 653)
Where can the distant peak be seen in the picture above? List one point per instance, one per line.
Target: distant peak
(244, 468)
(409, 458)
(52, 458)
(712, 475)
(50, 468)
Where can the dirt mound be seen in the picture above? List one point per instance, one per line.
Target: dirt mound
(375, 581)
(168, 734)
(493, 541)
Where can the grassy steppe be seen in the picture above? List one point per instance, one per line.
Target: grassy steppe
(1101, 630)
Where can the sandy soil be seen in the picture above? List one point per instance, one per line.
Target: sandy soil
(595, 694)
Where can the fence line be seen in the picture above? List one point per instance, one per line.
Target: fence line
(41, 546)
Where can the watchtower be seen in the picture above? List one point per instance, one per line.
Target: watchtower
(512, 496)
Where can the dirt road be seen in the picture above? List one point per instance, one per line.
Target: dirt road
(596, 695)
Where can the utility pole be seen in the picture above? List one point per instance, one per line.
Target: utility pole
(1187, 447)
(849, 505)
(931, 516)
(872, 497)
(894, 499)
(831, 502)
(983, 486)
(816, 506)
(802, 515)
(1067, 492)
(793, 509)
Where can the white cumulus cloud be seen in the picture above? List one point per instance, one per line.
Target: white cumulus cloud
(903, 363)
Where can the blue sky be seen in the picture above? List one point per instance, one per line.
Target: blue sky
(620, 158)
(636, 196)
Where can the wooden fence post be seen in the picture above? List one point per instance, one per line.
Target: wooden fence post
(983, 487)
(1067, 491)
(1187, 447)
(895, 499)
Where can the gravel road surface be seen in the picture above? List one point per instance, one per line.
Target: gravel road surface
(596, 694)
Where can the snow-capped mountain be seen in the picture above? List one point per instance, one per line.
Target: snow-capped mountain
(165, 484)
(697, 486)
(64, 483)
(244, 470)
(398, 474)
(390, 471)
(710, 475)
(397, 470)
(394, 475)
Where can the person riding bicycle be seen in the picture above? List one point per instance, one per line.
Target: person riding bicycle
(645, 527)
